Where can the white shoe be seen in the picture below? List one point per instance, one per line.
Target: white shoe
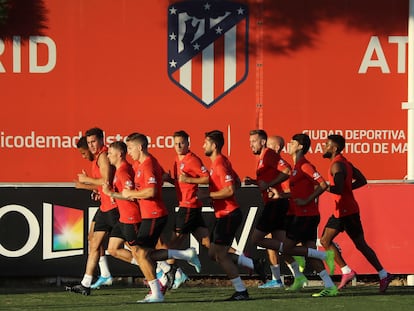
(180, 278)
(151, 299)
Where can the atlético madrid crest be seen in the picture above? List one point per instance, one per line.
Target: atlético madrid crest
(207, 48)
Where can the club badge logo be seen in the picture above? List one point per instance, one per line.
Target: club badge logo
(207, 48)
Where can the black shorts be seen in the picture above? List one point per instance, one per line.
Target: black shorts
(96, 213)
(303, 229)
(127, 232)
(289, 220)
(187, 220)
(351, 224)
(150, 231)
(225, 228)
(106, 221)
(273, 216)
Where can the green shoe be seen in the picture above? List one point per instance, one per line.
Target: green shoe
(301, 262)
(298, 283)
(330, 261)
(327, 292)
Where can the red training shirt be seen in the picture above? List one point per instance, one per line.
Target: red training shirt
(222, 175)
(345, 203)
(148, 174)
(192, 166)
(129, 212)
(302, 184)
(107, 203)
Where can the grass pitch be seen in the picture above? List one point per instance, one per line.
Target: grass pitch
(187, 297)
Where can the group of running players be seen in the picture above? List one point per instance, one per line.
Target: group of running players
(132, 211)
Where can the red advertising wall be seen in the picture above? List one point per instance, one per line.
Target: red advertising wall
(387, 217)
(299, 66)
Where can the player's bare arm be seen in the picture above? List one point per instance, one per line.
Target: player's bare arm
(193, 180)
(142, 194)
(223, 193)
(79, 185)
(104, 168)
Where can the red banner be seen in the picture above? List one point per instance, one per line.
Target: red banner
(387, 217)
(289, 66)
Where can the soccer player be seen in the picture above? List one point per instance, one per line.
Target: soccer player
(306, 185)
(222, 187)
(296, 264)
(108, 216)
(148, 187)
(271, 171)
(126, 230)
(189, 172)
(105, 277)
(343, 179)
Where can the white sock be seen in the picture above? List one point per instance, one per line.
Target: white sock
(155, 288)
(294, 268)
(314, 253)
(134, 262)
(163, 279)
(87, 280)
(327, 281)
(238, 284)
(275, 269)
(103, 266)
(346, 269)
(164, 266)
(382, 274)
(246, 262)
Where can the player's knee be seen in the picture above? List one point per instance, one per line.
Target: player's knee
(325, 242)
(113, 252)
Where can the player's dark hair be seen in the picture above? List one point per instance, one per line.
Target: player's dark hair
(182, 134)
(339, 141)
(304, 140)
(95, 131)
(82, 143)
(139, 138)
(120, 146)
(216, 137)
(261, 133)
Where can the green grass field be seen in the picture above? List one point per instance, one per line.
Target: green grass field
(124, 298)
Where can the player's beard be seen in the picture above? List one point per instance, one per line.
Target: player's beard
(257, 152)
(208, 153)
(327, 155)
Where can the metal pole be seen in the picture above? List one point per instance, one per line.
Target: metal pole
(409, 105)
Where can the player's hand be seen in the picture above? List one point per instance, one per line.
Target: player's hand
(105, 189)
(78, 185)
(126, 193)
(272, 193)
(183, 178)
(83, 177)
